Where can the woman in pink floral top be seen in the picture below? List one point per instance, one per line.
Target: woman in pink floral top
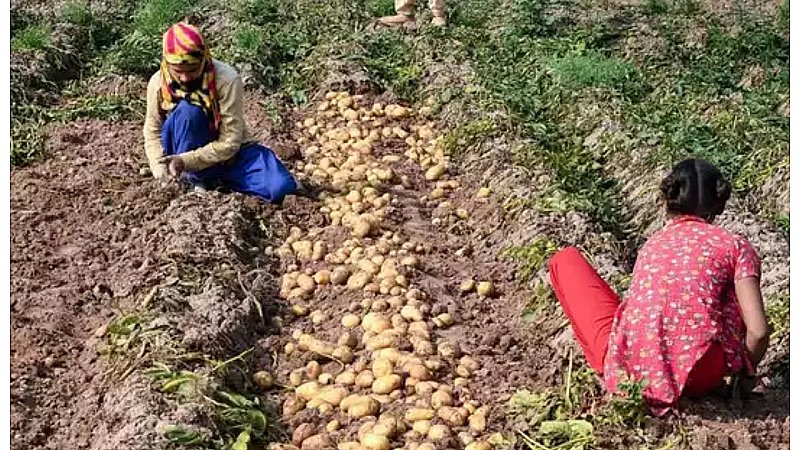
(693, 313)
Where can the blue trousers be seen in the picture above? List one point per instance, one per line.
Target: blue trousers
(254, 170)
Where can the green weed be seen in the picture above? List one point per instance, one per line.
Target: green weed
(468, 135)
(778, 315)
(592, 70)
(33, 38)
(78, 13)
(532, 257)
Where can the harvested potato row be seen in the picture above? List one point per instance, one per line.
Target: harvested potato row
(383, 375)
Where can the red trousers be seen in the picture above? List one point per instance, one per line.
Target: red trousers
(590, 304)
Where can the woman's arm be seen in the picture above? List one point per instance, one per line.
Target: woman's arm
(152, 128)
(231, 100)
(748, 292)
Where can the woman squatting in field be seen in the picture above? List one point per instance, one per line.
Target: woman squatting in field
(194, 128)
(693, 313)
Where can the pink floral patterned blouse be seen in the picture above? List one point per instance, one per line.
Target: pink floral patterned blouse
(681, 300)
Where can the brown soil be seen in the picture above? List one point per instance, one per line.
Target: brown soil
(91, 237)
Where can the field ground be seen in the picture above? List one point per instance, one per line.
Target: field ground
(140, 312)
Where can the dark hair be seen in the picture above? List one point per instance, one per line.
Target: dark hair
(695, 187)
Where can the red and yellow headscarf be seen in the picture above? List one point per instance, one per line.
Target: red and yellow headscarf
(183, 44)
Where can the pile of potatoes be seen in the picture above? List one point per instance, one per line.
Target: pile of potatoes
(387, 381)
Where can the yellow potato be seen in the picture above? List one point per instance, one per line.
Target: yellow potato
(292, 405)
(417, 371)
(333, 394)
(340, 275)
(373, 441)
(332, 426)
(316, 442)
(470, 363)
(367, 407)
(422, 426)
(386, 384)
(443, 320)
(477, 423)
(343, 354)
(486, 289)
(296, 377)
(358, 280)
(308, 390)
(415, 414)
(382, 367)
(325, 378)
(347, 378)
(479, 445)
(349, 446)
(365, 379)
(420, 329)
(438, 432)
(411, 313)
(322, 277)
(441, 398)
(383, 340)
(350, 321)
(453, 416)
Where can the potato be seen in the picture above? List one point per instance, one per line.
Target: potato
(417, 371)
(447, 349)
(460, 382)
(422, 346)
(344, 354)
(375, 322)
(443, 320)
(305, 282)
(299, 310)
(382, 367)
(365, 379)
(358, 280)
(325, 378)
(391, 354)
(316, 442)
(479, 445)
(420, 329)
(424, 389)
(340, 275)
(333, 394)
(321, 347)
(438, 432)
(318, 317)
(411, 313)
(367, 407)
(434, 365)
(486, 289)
(350, 321)
(373, 441)
(322, 277)
(313, 370)
(264, 380)
(470, 363)
(434, 172)
(454, 416)
(465, 438)
(301, 433)
(350, 400)
(347, 378)
(386, 384)
(332, 426)
(415, 414)
(441, 398)
(289, 348)
(349, 446)
(292, 405)
(347, 339)
(296, 377)
(426, 446)
(308, 390)
(467, 285)
(383, 340)
(385, 428)
(477, 423)
(422, 426)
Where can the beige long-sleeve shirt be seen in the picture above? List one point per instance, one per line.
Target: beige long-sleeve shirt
(233, 130)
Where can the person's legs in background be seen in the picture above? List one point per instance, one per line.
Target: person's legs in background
(404, 10)
(588, 301)
(437, 9)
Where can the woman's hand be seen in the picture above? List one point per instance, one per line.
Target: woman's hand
(175, 165)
